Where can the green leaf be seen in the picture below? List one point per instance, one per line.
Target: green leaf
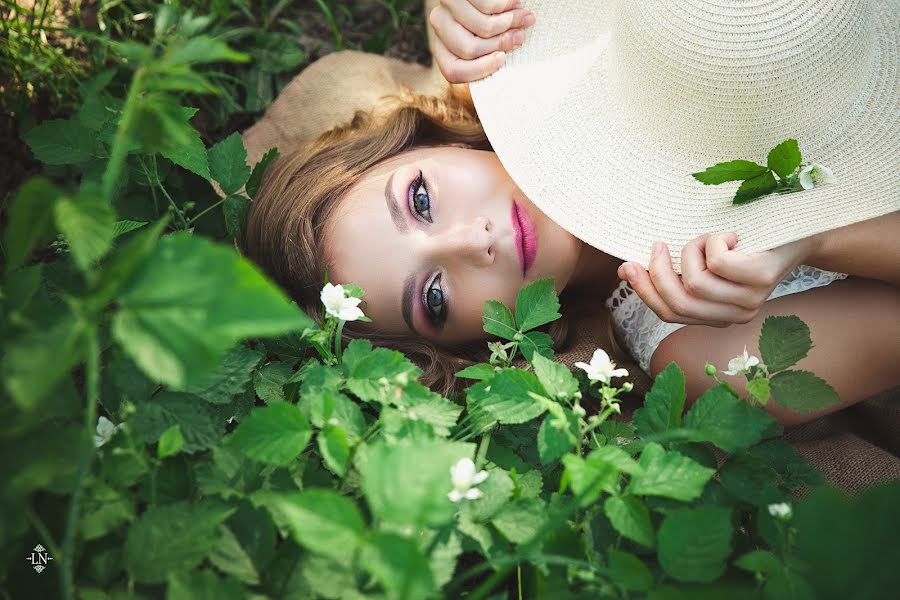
(759, 389)
(247, 545)
(399, 566)
(366, 374)
(750, 479)
(755, 188)
(630, 517)
(170, 442)
(190, 153)
(794, 470)
(432, 408)
(324, 404)
(480, 371)
(726, 421)
(118, 269)
(30, 220)
(536, 305)
(802, 391)
(694, 543)
(520, 520)
(760, 561)
(174, 537)
(496, 491)
(235, 210)
(534, 343)
(203, 49)
(274, 434)
(783, 342)
(126, 226)
(508, 400)
(228, 163)
(498, 320)
(335, 449)
(200, 426)
(663, 404)
(735, 170)
(230, 377)
(553, 443)
(669, 474)
(321, 520)
(189, 301)
(784, 158)
(600, 471)
(61, 142)
(555, 377)
(629, 572)
(269, 381)
(259, 170)
(202, 585)
(88, 223)
(408, 484)
(106, 509)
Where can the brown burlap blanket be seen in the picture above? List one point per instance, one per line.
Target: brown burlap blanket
(854, 448)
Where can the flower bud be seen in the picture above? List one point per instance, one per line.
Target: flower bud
(627, 386)
(710, 369)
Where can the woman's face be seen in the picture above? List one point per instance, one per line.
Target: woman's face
(434, 232)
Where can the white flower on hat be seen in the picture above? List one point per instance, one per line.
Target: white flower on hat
(337, 304)
(464, 477)
(781, 510)
(105, 430)
(601, 368)
(815, 174)
(740, 364)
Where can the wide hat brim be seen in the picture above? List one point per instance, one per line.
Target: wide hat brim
(556, 123)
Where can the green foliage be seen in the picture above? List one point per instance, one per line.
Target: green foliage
(247, 456)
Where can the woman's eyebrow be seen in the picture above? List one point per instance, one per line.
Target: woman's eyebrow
(394, 206)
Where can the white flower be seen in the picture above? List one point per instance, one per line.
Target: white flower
(601, 367)
(105, 430)
(463, 476)
(781, 510)
(740, 364)
(338, 304)
(815, 174)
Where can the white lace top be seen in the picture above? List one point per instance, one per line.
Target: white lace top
(642, 330)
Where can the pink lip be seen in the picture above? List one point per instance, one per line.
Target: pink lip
(525, 236)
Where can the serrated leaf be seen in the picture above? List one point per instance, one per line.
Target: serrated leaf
(802, 391)
(793, 468)
(726, 421)
(335, 449)
(170, 442)
(600, 471)
(228, 163)
(521, 519)
(663, 404)
(203, 49)
(230, 557)
(536, 343)
(321, 520)
(235, 210)
(61, 142)
(783, 342)
(190, 154)
(496, 491)
(259, 170)
(552, 443)
(537, 304)
(734, 170)
(759, 389)
(432, 408)
(694, 543)
(784, 158)
(189, 301)
(274, 434)
(555, 377)
(200, 426)
(269, 381)
(30, 220)
(398, 565)
(498, 320)
(480, 371)
(508, 401)
(755, 188)
(629, 571)
(669, 474)
(126, 226)
(750, 479)
(630, 517)
(173, 537)
(230, 377)
(88, 222)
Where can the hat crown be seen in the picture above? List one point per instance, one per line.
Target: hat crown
(732, 78)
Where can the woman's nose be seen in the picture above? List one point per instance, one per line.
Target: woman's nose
(472, 241)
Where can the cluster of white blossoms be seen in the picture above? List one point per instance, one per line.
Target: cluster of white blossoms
(781, 510)
(338, 304)
(105, 430)
(601, 368)
(740, 364)
(464, 478)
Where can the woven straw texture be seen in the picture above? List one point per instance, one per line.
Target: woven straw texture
(605, 111)
(854, 448)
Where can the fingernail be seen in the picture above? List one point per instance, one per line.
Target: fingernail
(629, 271)
(657, 249)
(528, 21)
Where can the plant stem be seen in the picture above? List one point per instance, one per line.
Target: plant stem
(41, 527)
(482, 450)
(162, 188)
(119, 149)
(338, 349)
(206, 210)
(92, 387)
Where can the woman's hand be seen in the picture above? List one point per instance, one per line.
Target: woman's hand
(472, 36)
(718, 286)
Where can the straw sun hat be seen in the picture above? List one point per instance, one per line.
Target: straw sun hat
(608, 108)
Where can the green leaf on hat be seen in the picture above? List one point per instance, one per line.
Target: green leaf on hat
(784, 158)
(756, 187)
(733, 170)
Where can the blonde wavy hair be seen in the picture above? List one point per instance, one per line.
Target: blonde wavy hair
(300, 190)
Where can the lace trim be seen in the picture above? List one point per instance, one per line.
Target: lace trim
(642, 330)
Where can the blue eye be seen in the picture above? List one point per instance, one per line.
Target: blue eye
(435, 305)
(420, 201)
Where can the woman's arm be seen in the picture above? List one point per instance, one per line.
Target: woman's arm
(866, 249)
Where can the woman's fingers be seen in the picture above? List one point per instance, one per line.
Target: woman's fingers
(735, 265)
(458, 70)
(700, 282)
(644, 287)
(487, 19)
